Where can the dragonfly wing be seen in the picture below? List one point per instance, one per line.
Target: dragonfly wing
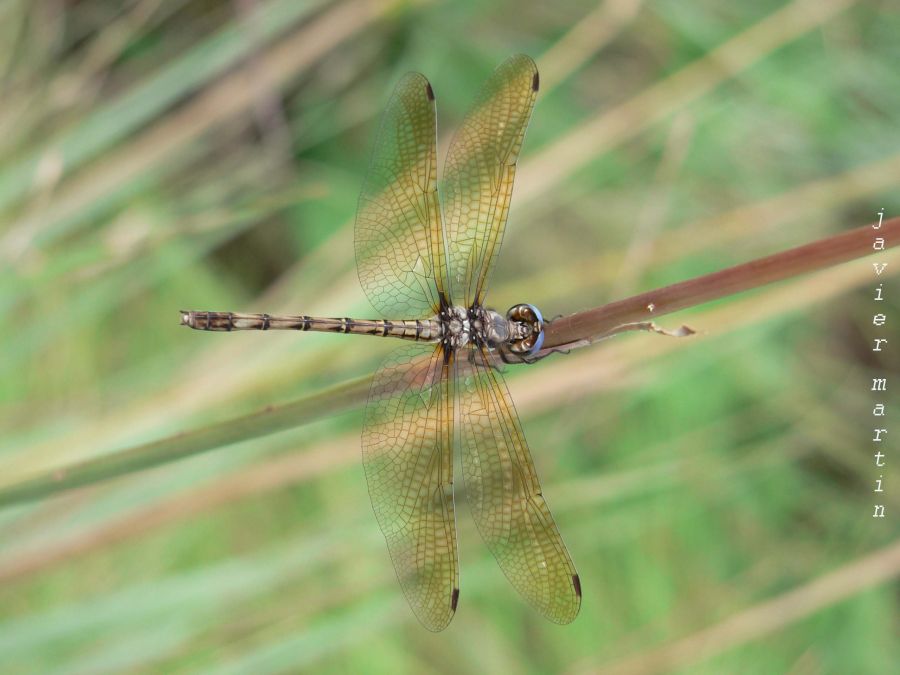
(407, 455)
(479, 174)
(399, 240)
(505, 496)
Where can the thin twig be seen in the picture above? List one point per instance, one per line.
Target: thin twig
(575, 330)
(269, 420)
(582, 328)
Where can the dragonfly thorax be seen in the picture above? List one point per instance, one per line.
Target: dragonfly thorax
(493, 329)
(461, 326)
(457, 326)
(520, 331)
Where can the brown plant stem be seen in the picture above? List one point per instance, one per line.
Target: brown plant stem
(572, 331)
(582, 328)
(271, 419)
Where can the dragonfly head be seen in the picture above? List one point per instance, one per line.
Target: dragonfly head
(527, 329)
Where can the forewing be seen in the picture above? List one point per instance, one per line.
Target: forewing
(479, 174)
(505, 496)
(407, 455)
(399, 244)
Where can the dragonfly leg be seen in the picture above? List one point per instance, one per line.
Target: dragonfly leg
(514, 358)
(534, 358)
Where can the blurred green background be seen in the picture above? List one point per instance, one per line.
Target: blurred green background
(715, 492)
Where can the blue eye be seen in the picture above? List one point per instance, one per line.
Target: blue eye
(537, 344)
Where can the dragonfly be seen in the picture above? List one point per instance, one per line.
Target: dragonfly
(429, 260)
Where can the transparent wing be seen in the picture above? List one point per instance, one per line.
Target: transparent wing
(399, 239)
(505, 496)
(407, 455)
(479, 173)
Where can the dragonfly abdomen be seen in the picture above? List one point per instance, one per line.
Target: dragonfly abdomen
(426, 330)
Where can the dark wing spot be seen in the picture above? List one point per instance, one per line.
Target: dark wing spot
(454, 600)
(429, 92)
(536, 82)
(577, 583)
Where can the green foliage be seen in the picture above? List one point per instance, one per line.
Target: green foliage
(189, 154)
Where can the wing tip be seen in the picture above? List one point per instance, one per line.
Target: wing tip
(536, 81)
(429, 92)
(436, 624)
(576, 582)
